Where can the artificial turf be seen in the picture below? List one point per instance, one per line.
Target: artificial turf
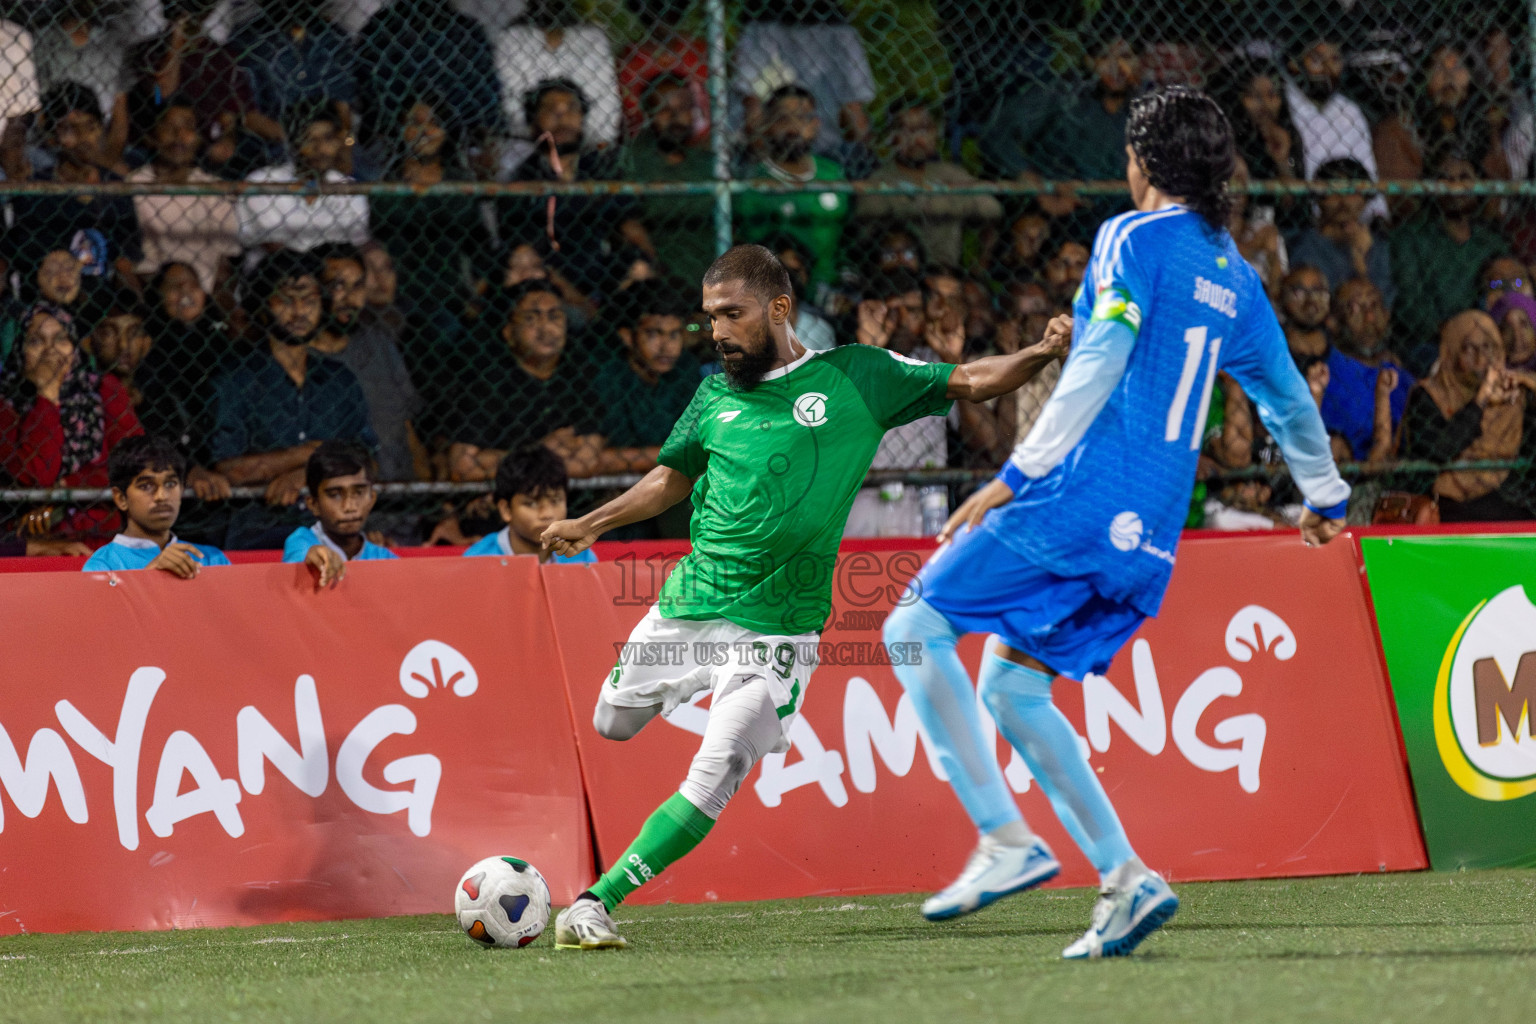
(1413, 947)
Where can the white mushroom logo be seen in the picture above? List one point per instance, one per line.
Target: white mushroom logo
(1255, 630)
(434, 665)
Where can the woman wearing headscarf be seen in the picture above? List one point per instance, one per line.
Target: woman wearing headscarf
(1471, 408)
(58, 417)
(1515, 313)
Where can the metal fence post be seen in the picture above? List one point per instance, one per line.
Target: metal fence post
(719, 137)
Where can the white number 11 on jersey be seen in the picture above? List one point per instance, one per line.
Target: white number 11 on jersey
(1194, 348)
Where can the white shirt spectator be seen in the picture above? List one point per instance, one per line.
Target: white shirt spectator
(1336, 129)
(196, 230)
(524, 59)
(896, 510)
(300, 222)
(18, 86)
(100, 65)
(829, 60)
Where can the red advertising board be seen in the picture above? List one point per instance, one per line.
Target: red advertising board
(1247, 732)
(239, 748)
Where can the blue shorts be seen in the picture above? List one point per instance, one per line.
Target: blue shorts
(983, 586)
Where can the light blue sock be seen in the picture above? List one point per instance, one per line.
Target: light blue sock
(1020, 700)
(945, 702)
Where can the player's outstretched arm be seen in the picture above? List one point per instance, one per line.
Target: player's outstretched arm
(656, 492)
(1285, 404)
(992, 376)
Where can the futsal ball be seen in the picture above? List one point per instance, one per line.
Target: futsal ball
(502, 901)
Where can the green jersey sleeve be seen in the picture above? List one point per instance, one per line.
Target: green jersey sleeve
(684, 448)
(896, 389)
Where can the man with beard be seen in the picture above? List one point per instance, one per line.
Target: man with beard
(584, 227)
(1329, 124)
(682, 227)
(524, 387)
(1436, 257)
(1362, 371)
(1304, 299)
(370, 352)
(272, 407)
(1064, 273)
(938, 220)
(815, 219)
(773, 450)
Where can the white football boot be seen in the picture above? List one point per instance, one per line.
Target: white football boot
(585, 924)
(994, 871)
(1124, 916)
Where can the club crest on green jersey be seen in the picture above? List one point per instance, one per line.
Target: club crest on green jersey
(811, 409)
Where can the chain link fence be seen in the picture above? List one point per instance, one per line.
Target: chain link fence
(452, 228)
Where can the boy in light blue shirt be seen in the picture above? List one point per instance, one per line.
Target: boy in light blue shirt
(341, 478)
(146, 474)
(530, 495)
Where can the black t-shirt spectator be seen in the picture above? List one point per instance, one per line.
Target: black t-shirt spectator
(98, 229)
(500, 405)
(584, 225)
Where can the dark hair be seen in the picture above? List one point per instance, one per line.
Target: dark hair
(910, 101)
(756, 267)
(276, 270)
(154, 293)
(533, 97)
(64, 98)
(1341, 168)
(134, 455)
(520, 291)
(337, 251)
(175, 101)
(1309, 22)
(338, 458)
(303, 113)
(102, 303)
(651, 297)
(669, 80)
(531, 470)
(788, 92)
(444, 116)
(893, 284)
(779, 241)
(1184, 144)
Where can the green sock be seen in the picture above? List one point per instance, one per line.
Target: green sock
(671, 831)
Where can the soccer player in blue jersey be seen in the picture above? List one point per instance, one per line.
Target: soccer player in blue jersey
(341, 480)
(147, 474)
(1064, 554)
(530, 496)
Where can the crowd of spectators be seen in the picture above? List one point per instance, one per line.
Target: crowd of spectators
(443, 331)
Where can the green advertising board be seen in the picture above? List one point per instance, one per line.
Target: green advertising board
(1458, 626)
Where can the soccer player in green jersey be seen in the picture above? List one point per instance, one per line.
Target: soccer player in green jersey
(773, 450)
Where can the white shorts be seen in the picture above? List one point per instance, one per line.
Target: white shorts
(668, 661)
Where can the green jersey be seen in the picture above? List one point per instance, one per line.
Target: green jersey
(776, 469)
(814, 219)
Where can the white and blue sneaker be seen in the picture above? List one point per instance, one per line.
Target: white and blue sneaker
(1124, 916)
(994, 871)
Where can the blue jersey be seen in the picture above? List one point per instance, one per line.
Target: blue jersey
(296, 547)
(500, 544)
(1103, 480)
(127, 552)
